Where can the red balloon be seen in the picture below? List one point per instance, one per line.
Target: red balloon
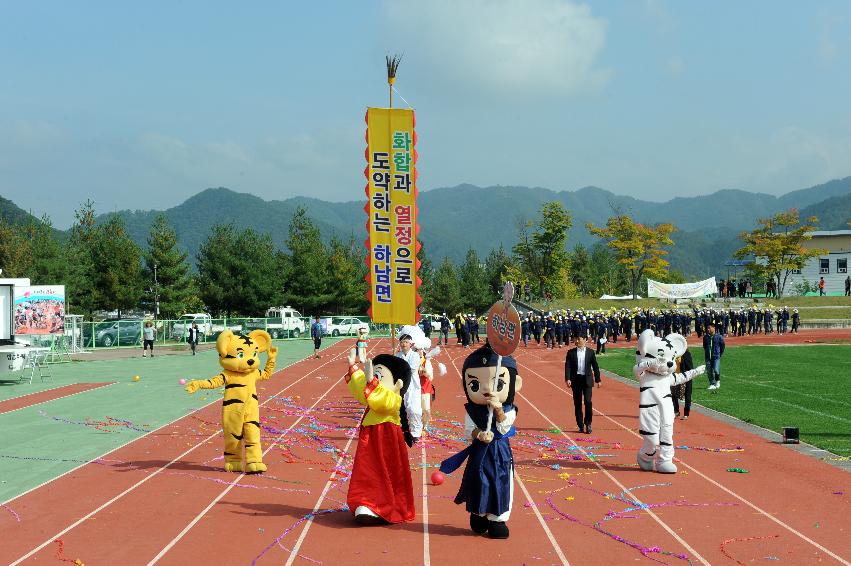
(437, 478)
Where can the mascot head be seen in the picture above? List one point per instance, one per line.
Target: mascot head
(477, 377)
(664, 351)
(241, 353)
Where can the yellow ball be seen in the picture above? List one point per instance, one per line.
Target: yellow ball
(136, 378)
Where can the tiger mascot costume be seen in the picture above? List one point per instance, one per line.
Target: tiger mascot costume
(239, 355)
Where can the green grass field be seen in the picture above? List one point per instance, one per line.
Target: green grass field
(776, 386)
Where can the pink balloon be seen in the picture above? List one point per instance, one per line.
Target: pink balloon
(437, 478)
(181, 381)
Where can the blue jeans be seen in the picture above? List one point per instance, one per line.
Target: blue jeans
(713, 370)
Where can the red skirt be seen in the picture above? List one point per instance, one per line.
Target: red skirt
(381, 474)
(426, 385)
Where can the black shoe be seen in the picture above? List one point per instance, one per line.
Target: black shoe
(479, 524)
(588, 429)
(581, 428)
(497, 529)
(369, 520)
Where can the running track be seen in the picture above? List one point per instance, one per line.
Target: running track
(164, 499)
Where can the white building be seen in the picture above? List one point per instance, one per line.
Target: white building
(833, 265)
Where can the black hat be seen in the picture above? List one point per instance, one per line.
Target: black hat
(486, 357)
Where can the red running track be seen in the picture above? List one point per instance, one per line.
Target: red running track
(578, 499)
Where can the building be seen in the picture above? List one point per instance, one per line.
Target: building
(833, 265)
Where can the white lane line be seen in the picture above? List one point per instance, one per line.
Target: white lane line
(540, 517)
(309, 522)
(624, 489)
(142, 481)
(531, 502)
(722, 487)
(804, 409)
(168, 424)
(274, 443)
(426, 549)
(224, 492)
(294, 550)
(52, 398)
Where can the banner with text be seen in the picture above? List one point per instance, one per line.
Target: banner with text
(681, 290)
(39, 309)
(391, 209)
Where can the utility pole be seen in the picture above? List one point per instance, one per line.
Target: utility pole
(156, 293)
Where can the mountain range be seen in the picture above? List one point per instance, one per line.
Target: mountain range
(454, 219)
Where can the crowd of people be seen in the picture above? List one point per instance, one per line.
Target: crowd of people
(558, 328)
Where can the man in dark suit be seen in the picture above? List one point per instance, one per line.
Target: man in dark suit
(581, 373)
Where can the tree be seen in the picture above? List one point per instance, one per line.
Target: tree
(173, 285)
(447, 293)
(15, 250)
(215, 261)
(497, 266)
(117, 279)
(239, 271)
(777, 246)
(309, 279)
(347, 271)
(426, 274)
(638, 248)
(78, 253)
(48, 264)
(541, 254)
(474, 286)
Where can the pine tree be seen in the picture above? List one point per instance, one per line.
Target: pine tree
(15, 251)
(258, 285)
(117, 259)
(447, 291)
(166, 272)
(497, 265)
(48, 264)
(309, 288)
(348, 268)
(78, 254)
(215, 266)
(474, 286)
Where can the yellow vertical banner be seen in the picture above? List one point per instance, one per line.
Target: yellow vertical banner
(391, 191)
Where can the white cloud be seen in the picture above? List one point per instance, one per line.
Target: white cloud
(550, 45)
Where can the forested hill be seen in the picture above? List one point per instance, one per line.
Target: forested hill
(453, 219)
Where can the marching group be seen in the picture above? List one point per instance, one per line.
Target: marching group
(558, 328)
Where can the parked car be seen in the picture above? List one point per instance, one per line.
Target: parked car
(280, 322)
(206, 326)
(122, 332)
(346, 326)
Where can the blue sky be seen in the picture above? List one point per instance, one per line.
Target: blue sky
(142, 105)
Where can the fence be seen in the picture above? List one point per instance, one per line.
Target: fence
(88, 335)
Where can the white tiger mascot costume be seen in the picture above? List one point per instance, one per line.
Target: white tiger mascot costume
(655, 369)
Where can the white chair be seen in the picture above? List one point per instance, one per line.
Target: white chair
(38, 363)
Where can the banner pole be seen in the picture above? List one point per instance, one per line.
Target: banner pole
(393, 338)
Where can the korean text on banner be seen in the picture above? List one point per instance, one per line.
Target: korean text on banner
(392, 216)
(681, 290)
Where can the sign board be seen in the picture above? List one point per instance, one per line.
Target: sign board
(39, 309)
(391, 207)
(681, 290)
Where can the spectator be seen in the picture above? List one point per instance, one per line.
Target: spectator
(316, 332)
(848, 286)
(713, 349)
(683, 390)
(192, 338)
(821, 287)
(148, 335)
(444, 329)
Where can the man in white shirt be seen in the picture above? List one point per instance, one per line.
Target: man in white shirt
(413, 396)
(581, 373)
